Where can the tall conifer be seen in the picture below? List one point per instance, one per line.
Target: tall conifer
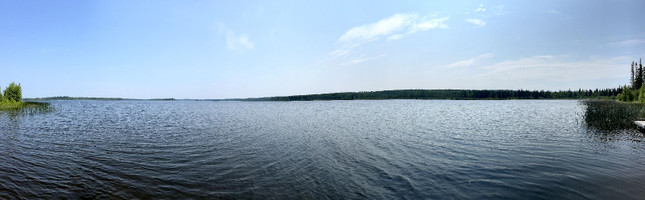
(631, 79)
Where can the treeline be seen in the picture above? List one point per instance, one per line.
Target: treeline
(13, 93)
(452, 94)
(636, 90)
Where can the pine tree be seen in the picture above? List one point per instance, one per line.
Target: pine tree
(639, 77)
(631, 79)
(640, 66)
(641, 94)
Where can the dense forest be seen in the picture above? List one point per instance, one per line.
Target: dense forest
(452, 94)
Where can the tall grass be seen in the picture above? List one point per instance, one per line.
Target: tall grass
(611, 115)
(12, 105)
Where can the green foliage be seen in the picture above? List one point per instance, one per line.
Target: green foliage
(13, 93)
(627, 95)
(641, 94)
(610, 115)
(25, 107)
(637, 90)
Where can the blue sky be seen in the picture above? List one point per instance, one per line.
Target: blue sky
(230, 49)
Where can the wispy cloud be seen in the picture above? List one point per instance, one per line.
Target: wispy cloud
(360, 59)
(339, 52)
(469, 62)
(394, 27)
(480, 8)
(476, 22)
(626, 43)
(555, 68)
(238, 43)
(355, 61)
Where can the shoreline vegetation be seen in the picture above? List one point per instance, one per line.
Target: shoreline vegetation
(450, 94)
(635, 91)
(11, 99)
(612, 115)
(428, 94)
(21, 105)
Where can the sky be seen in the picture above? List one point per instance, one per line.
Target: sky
(239, 49)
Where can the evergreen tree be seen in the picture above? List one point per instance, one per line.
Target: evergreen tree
(640, 66)
(631, 79)
(641, 95)
(639, 77)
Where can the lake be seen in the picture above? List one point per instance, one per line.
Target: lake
(381, 149)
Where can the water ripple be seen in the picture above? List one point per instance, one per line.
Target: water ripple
(395, 149)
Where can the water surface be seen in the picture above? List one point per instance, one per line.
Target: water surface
(386, 149)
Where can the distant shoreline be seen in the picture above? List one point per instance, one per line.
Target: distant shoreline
(434, 94)
(451, 94)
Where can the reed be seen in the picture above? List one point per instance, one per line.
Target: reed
(12, 105)
(611, 115)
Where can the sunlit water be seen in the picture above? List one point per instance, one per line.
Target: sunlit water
(390, 149)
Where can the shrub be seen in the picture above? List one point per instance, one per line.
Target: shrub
(13, 93)
(641, 94)
(625, 95)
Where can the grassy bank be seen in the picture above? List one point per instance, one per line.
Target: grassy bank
(20, 105)
(610, 115)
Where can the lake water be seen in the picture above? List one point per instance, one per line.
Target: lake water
(389, 149)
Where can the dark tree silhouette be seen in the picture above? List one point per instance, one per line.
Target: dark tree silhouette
(639, 77)
(632, 78)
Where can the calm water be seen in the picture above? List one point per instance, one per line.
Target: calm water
(391, 149)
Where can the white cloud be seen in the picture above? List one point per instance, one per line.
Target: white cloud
(431, 24)
(480, 8)
(394, 27)
(469, 62)
(625, 43)
(239, 43)
(476, 22)
(380, 28)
